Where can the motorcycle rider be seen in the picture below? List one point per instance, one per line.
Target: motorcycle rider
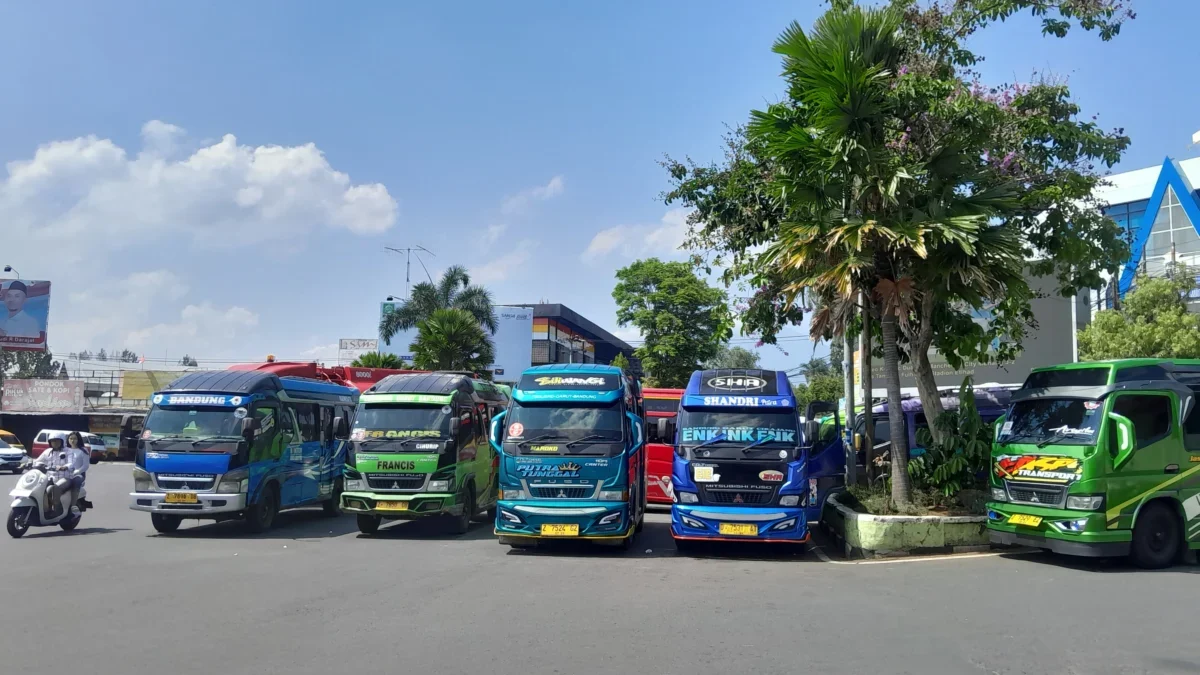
(63, 467)
(80, 461)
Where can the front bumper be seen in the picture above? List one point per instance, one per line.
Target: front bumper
(596, 520)
(1094, 540)
(12, 464)
(782, 524)
(209, 504)
(418, 505)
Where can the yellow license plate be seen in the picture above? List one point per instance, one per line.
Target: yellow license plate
(1022, 519)
(560, 530)
(738, 529)
(391, 506)
(181, 498)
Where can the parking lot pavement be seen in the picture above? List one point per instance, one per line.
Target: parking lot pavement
(313, 596)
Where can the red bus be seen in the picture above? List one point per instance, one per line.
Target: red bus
(659, 404)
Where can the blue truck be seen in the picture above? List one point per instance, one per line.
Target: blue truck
(740, 470)
(572, 457)
(241, 444)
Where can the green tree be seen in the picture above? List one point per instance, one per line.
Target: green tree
(452, 291)
(188, 361)
(377, 360)
(452, 339)
(890, 173)
(827, 387)
(102, 355)
(26, 365)
(620, 361)
(1153, 322)
(733, 357)
(85, 355)
(683, 320)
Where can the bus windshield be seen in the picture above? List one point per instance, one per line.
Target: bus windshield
(195, 423)
(379, 423)
(553, 427)
(1052, 421)
(739, 434)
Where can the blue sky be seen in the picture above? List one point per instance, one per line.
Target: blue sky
(519, 139)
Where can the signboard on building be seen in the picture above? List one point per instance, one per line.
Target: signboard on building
(49, 396)
(140, 385)
(352, 348)
(1052, 342)
(24, 314)
(513, 343)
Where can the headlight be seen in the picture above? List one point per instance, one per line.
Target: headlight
(512, 494)
(440, 485)
(999, 495)
(234, 482)
(141, 480)
(354, 484)
(1085, 502)
(789, 500)
(688, 498)
(614, 496)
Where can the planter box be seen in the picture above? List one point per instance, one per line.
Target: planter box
(863, 535)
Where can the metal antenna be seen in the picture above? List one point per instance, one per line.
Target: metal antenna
(408, 253)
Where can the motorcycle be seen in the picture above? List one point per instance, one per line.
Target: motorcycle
(30, 506)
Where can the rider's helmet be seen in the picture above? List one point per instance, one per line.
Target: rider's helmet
(59, 436)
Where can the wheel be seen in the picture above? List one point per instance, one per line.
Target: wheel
(18, 521)
(94, 459)
(487, 515)
(165, 524)
(68, 524)
(627, 542)
(368, 524)
(461, 523)
(641, 523)
(261, 515)
(333, 507)
(1155, 537)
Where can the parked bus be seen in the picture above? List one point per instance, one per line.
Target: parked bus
(1101, 459)
(660, 451)
(739, 473)
(572, 463)
(241, 444)
(419, 449)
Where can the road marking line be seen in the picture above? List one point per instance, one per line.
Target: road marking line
(956, 556)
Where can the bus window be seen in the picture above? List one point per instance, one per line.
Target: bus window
(306, 415)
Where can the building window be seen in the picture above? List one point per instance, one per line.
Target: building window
(1173, 235)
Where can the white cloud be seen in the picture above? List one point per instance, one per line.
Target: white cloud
(327, 353)
(521, 201)
(628, 334)
(504, 266)
(636, 241)
(493, 233)
(88, 195)
(197, 328)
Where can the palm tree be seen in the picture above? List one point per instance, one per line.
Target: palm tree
(377, 360)
(453, 290)
(452, 339)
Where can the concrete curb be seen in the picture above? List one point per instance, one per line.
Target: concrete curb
(862, 535)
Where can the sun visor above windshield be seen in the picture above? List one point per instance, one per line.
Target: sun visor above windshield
(582, 386)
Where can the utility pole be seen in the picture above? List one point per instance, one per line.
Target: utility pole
(868, 386)
(848, 371)
(408, 254)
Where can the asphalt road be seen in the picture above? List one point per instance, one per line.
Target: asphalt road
(313, 596)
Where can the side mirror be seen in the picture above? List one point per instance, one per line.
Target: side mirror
(495, 431)
(999, 427)
(341, 430)
(1123, 427)
(812, 429)
(250, 426)
(666, 435)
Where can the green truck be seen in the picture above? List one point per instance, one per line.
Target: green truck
(419, 449)
(1101, 459)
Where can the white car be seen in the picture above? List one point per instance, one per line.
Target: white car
(96, 447)
(12, 458)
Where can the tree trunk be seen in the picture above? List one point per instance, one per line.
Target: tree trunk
(901, 484)
(868, 383)
(931, 401)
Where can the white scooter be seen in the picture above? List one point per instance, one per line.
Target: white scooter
(29, 507)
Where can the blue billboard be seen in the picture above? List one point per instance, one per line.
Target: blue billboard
(513, 340)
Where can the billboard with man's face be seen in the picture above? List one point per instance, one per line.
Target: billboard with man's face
(26, 306)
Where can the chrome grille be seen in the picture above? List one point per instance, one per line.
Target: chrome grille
(561, 492)
(396, 482)
(1038, 495)
(730, 496)
(185, 482)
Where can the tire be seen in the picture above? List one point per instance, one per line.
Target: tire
(93, 460)
(164, 524)
(627, 542)
(368, 524)
(18, 521)
(461, 523)
(641, 523)
(333, 507)
(261, 516)
(491, 514)
(68, 524)
(1156, 537)
(486, 516)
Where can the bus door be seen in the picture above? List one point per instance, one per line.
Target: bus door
(826, 454)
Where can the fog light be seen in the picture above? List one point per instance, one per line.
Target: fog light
(688, 498)
(610, 518)
(1073, 526)
(693, 523)
(510, 517)
(785, 525)
(993, 515)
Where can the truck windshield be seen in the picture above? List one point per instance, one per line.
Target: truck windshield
(195, 423)
(378, 423)
(1052, 421)
(564, 428)
(736, 434)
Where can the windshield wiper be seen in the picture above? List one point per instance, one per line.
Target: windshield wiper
(585, 439)
(207, 439)
(715, 439)
(543, 437)
(152, 441)
(1061, 435)
(746, 450)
